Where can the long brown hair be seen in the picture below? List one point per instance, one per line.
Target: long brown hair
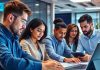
(69, 28)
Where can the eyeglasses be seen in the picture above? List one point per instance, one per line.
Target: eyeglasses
(24, 21)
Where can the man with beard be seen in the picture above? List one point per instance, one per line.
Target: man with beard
(56, 46)
(90, 37)
(12, 57)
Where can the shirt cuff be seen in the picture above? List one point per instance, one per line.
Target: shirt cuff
(61, 59)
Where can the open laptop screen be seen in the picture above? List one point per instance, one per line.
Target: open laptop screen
(94, 63)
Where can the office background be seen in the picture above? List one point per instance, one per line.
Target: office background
(48, 10)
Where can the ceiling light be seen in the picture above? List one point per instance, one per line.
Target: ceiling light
(80, 0)
(93, 8)
(65, 10)
(36, 4)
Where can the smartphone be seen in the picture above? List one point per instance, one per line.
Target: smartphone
(78, 54)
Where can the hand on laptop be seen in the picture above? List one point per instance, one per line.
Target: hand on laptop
(51, 65)
(75, 60)
(85, 58)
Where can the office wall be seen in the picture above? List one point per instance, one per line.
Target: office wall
(65, 16)
(40, 9)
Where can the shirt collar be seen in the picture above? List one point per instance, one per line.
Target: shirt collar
(56, 39)
(8, 33)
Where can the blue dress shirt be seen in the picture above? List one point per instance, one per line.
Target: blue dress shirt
(88, 45)
(11, 55)
(57, 50)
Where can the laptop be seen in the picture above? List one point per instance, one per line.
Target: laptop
(93, 64)
(75, 66)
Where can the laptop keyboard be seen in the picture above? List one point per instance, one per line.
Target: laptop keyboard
(79, 67)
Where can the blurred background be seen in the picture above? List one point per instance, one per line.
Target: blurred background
(69, 10)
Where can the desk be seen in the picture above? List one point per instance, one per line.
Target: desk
(75, 66)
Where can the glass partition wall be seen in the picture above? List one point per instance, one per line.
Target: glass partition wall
(40, 9)
(95, 15)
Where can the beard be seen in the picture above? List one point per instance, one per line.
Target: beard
(87, 33)
(13, 28)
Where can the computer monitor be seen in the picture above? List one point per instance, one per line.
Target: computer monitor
(94, 63)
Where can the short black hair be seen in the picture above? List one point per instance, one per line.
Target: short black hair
(60, 25)
(57, 20)
(85, 17)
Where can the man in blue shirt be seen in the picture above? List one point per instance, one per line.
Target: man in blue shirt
(90, 37)
(11, 55)
(56, 45)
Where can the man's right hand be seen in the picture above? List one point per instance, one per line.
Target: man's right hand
(85, 58)
(51, 65)
(74, 60)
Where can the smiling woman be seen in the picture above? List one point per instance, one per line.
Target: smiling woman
(31, 39)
